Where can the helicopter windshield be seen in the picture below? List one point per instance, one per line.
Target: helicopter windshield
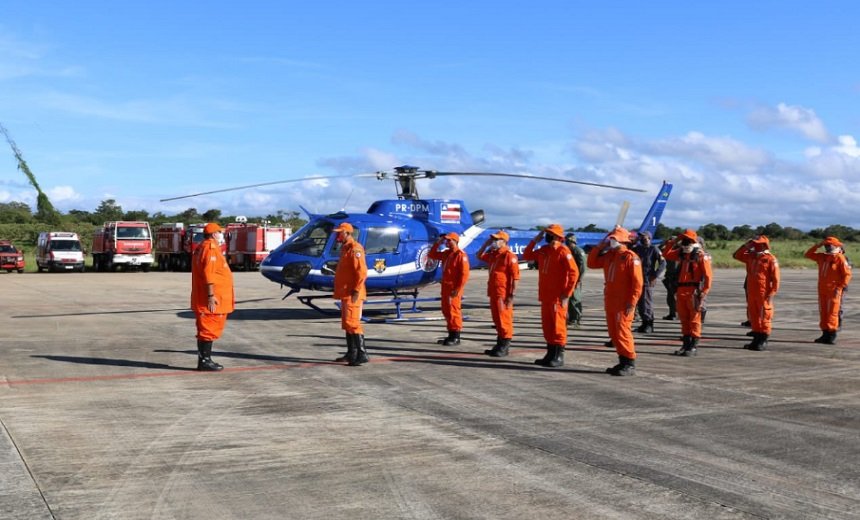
(310, 240)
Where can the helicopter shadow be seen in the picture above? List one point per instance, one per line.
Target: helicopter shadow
(87, 360)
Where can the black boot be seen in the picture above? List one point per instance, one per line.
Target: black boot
(648, 326)
(828, 337)
(360, 353)
(625, 367)
(204, 357)
(501, 348)
(689, 347)
(670, 316)
(452, 339)
(756, 341)
(643, 327)
(824, 338)
(746, 323)
(762, 342)
(550, 352)
(495, 348)
(608, 344)
(557, 359)
(349, 349)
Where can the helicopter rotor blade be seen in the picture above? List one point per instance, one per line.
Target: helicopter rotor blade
(537, 177)
(272, 183)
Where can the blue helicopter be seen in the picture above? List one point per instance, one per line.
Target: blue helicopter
(397, 235)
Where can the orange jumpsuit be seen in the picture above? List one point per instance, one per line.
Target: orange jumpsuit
(834, 273)
(694, 282)
(622, 272)
(504, 271)
(349, 277)
(556, 280)
(762, 285)
(455, 273)
(208, 266)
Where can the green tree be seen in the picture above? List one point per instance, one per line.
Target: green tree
(212, 215)
(108, 210)
(743, 232)
(591, 228)
(136, 214)
(79, 215)
(189, 216)
(45, 211)
(714, 232)
(15, 213)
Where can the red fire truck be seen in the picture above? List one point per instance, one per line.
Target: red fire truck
(11, 258)
(126, 244)
(174, 245)
(249, 244)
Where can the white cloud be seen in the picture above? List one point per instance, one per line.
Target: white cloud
(790, 117)
(63, 194)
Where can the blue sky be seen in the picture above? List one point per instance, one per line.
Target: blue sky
(750, 108)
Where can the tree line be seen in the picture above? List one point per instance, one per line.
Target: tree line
(109, 209)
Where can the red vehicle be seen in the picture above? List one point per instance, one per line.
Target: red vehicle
(11, 258)
(249, 244)
(174, 245)
(125, 244)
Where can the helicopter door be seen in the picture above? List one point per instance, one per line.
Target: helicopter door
(382, 247)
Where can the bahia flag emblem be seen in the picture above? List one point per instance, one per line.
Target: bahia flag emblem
(451, 212)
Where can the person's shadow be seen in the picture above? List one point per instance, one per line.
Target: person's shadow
(110, 362)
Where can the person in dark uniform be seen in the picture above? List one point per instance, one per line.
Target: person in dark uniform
(574, 305)
(670, 282)
(653, 266)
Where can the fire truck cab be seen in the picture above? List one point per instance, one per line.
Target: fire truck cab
(59, 251)
(11, 258)
(127, 244)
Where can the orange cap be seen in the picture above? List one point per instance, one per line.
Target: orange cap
(501, 234)
(690, 235)
(212, 227)
(620, 234)
(555, 229)
(832, 241)
(344, 226)
(453, 236)
(761, 239)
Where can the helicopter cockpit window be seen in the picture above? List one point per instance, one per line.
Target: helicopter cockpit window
(335, 248)
(382, 240)
(310, 240)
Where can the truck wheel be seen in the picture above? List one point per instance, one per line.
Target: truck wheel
(145, 268)
(20, 271)
(38, 267)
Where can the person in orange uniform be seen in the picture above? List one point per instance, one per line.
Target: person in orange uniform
(455, 273)
(694, 282)
(212, 296)
(501, 288)
(556, 281)
(622, 272)
(349, 288)
(762, 284)
(834, 273)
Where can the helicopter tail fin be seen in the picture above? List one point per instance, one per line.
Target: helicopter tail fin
(652, 218)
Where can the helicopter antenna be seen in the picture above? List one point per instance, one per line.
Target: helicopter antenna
(343, 208)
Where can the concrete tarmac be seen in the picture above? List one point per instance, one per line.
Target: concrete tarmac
(103, 417)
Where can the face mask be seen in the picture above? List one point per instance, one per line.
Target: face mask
(219, 237)
(613, 244)
(687, 248)
(830, 250)
(497, 244)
